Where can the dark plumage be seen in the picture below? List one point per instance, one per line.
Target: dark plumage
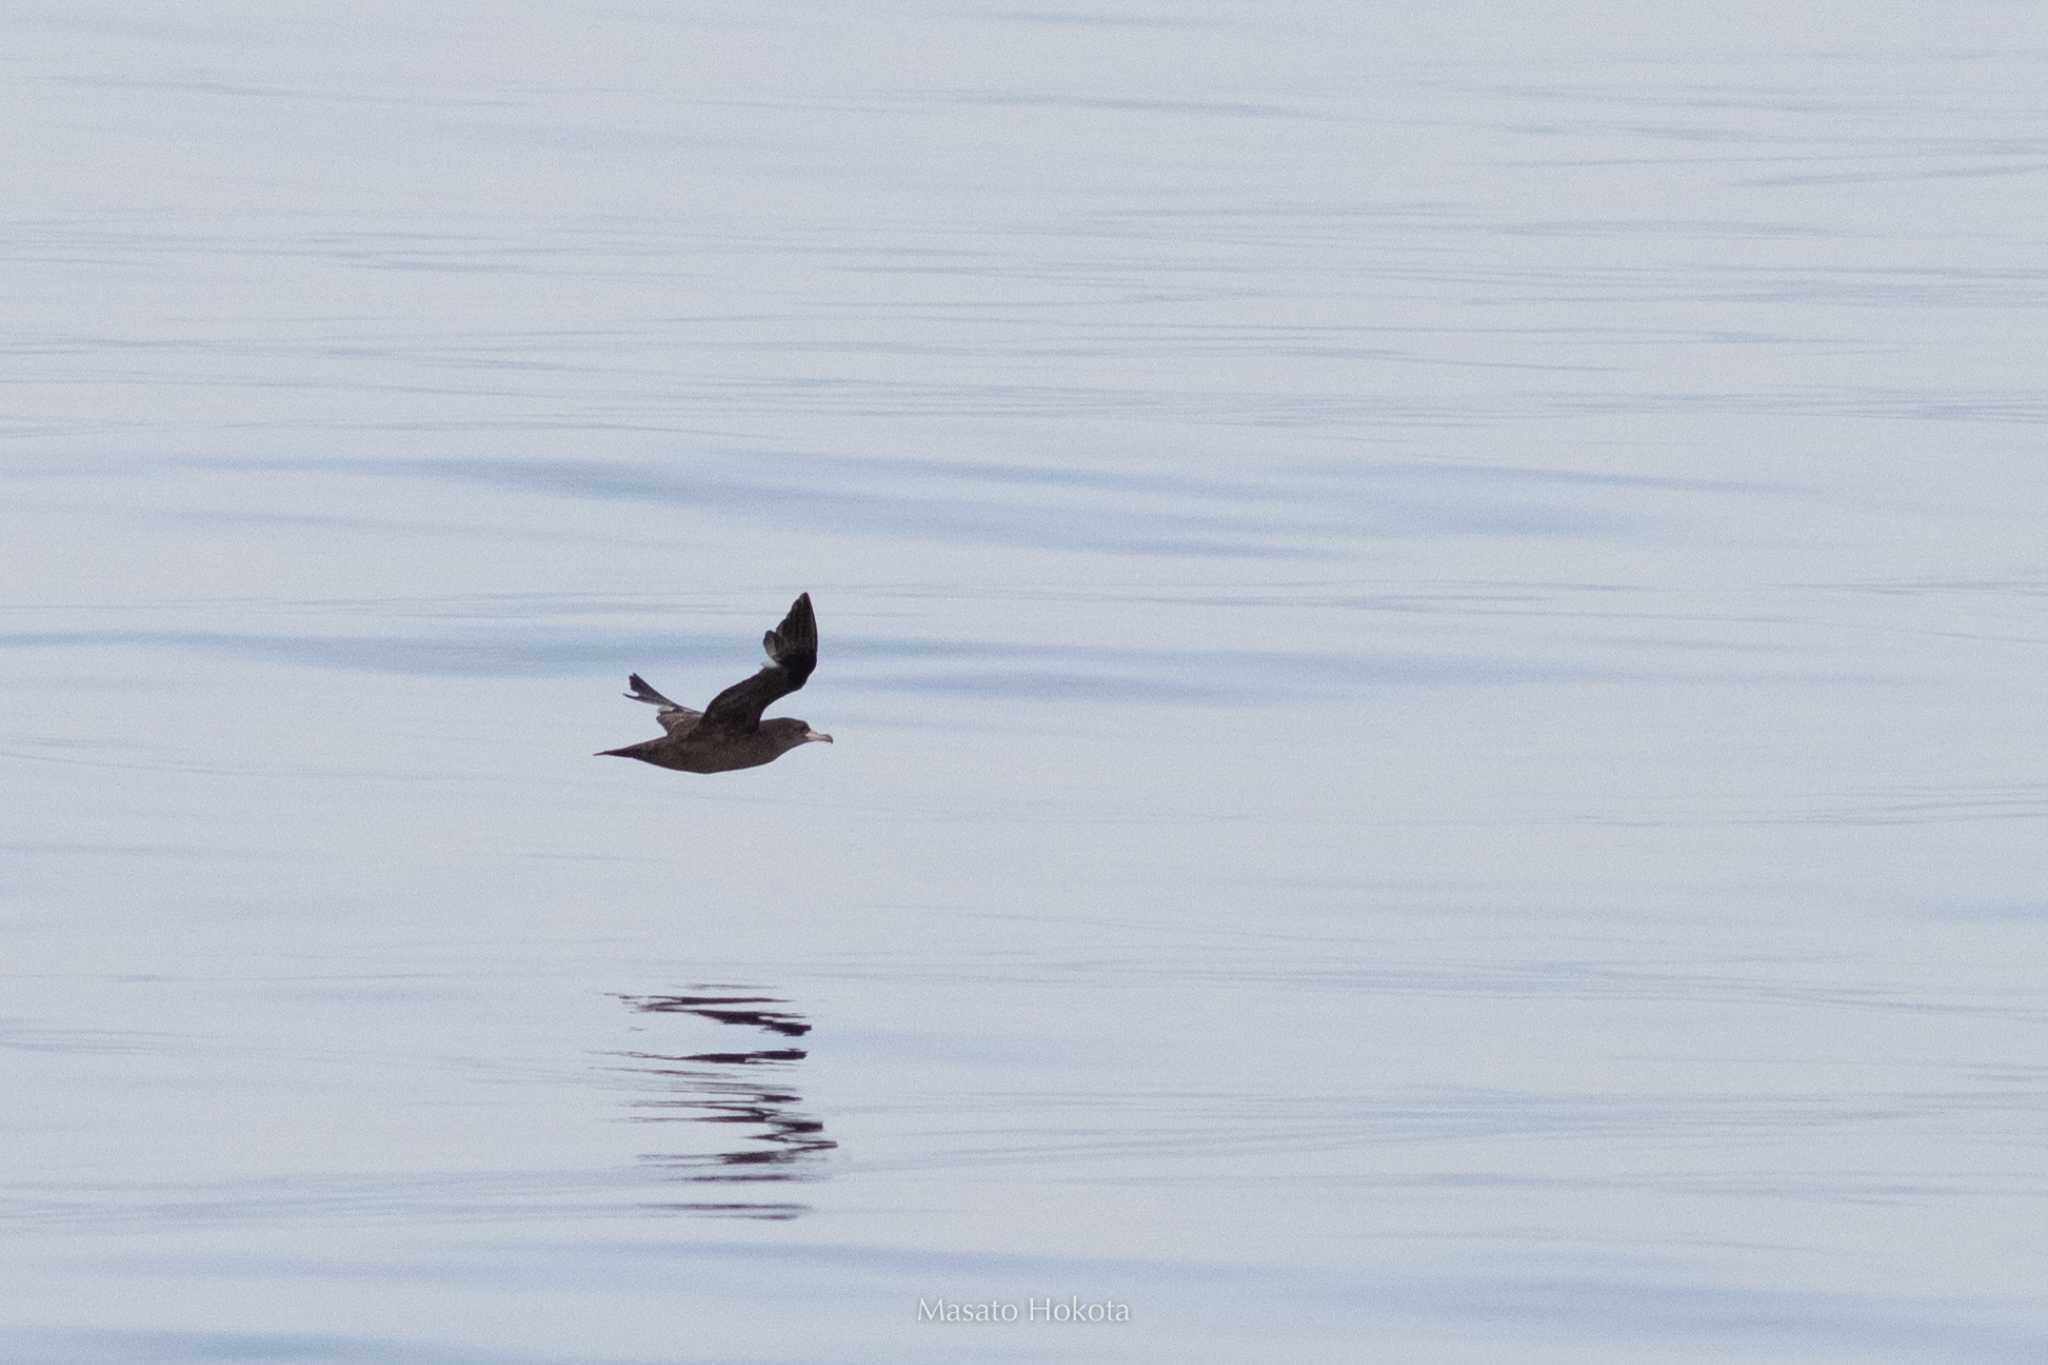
(730, 733)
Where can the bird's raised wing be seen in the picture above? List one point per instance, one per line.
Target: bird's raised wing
(792, 654)
(677, 720)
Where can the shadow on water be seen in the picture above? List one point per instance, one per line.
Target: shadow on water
(747, 1095)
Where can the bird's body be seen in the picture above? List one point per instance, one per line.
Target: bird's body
(729, 733)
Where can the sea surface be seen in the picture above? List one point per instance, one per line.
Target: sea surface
(1435, 618)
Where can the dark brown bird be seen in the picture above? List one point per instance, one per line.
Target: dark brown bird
(730, 733)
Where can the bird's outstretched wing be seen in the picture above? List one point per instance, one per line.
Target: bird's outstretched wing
(677, 720)
(792, 654)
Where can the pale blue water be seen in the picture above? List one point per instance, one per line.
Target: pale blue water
(1434, 623)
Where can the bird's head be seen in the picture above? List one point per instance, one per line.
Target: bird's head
(789, 732)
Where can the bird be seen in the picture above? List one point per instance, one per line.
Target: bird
(729, 733)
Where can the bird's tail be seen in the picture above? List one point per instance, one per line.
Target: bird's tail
(642, 692)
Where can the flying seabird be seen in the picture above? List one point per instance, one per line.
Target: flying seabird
(730, 733)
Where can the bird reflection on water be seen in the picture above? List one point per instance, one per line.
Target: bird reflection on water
(748, 1089)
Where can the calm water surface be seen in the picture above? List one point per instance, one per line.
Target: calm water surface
(1434, 620)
